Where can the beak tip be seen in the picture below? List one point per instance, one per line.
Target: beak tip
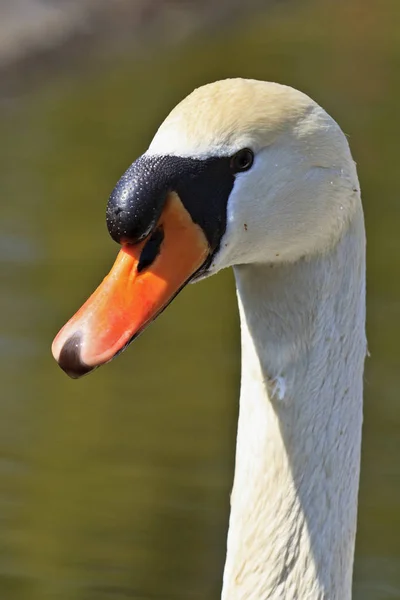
(69, 358)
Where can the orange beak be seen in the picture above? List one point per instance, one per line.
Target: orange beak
(133, 293)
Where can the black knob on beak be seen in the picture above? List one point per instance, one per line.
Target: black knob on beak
(137, 200)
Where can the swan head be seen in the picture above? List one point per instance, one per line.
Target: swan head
(241, 171)
(301, 187)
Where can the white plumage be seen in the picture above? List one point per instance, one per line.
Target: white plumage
(295, 237)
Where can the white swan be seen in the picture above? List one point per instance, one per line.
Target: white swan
(257, 176)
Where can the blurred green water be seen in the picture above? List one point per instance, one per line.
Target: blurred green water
(117, 486)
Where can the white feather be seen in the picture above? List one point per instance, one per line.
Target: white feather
(295, 237)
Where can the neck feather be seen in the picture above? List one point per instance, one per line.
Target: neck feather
(294, 500)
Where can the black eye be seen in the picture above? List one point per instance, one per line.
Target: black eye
(242, 160)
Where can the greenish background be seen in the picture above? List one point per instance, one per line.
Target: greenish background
(117, 486)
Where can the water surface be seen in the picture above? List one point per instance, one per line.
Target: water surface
(117, 486)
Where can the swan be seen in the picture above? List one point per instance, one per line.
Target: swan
(256, 176)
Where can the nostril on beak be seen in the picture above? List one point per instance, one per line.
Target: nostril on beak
(70, 358)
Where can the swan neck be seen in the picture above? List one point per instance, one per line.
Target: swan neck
(294, 499)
